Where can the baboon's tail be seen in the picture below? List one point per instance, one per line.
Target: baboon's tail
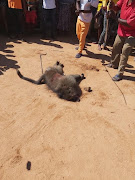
(25, 78)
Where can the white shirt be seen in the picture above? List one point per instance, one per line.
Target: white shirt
(49, 4)
(85, 5)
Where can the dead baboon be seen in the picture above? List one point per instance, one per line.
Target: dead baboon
(65, 86)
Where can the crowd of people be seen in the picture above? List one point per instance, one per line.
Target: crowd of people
(50, 16)
(112, 20)
(19, 16)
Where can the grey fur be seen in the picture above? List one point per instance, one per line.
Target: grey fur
(66, 87)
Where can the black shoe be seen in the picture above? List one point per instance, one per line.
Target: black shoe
(110, 65)
(13, 36)
(78, 55)
(20, 36)
(117, 77)
(106, 48)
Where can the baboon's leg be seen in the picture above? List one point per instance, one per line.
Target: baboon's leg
(41, 80)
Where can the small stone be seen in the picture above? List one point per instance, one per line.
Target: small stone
(28, 165)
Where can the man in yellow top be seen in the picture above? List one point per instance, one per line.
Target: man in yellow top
(17, 10)
(99, 5)
(103, 3)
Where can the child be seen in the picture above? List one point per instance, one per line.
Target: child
(31, 14)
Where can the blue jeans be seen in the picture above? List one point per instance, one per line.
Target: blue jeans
(102, 36)
(49, 21)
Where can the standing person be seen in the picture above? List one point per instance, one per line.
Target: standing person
(64, 14)
(84, 9)
(49, 17)
(106, 12)
(31, 14)
(17, 10)
(102, 36)
(99, 19)
(3, 12)
(125, 39)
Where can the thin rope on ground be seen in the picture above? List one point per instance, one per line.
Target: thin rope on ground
(116, 85)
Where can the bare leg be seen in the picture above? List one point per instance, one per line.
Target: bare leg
(99, 47)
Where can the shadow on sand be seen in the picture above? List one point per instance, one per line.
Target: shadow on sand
(102, 57)
(6, 64)
(36, 39)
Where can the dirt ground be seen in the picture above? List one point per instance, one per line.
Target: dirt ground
(93, 139)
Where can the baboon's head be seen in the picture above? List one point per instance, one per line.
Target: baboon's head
(59, 67)
(69, 91)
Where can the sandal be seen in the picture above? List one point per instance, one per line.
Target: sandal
(117, 77)
(78, 55)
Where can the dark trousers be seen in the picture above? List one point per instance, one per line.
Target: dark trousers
(49, 21)
(102, 36)
(16, 21)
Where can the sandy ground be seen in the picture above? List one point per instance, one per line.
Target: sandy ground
(93, 139)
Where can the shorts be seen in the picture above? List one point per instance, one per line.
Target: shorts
(31, 17)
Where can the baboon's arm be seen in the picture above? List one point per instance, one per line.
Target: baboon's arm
(78, 77)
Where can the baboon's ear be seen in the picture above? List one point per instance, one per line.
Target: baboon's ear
(83, 77)
(62, 65)
(57, 63)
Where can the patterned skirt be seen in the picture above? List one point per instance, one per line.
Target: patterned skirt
(64, 17)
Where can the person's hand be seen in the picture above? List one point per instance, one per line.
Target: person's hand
(119, 20)
(111, 6)
(77, 12)
(109, 14)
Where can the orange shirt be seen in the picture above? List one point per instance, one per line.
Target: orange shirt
(16, 4)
